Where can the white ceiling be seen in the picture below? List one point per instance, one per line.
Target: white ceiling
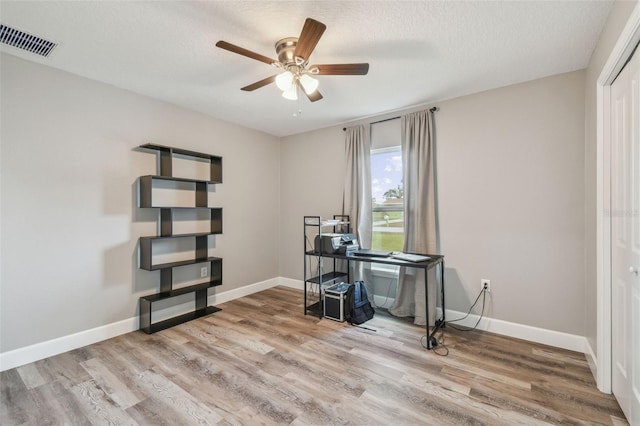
(419, 52)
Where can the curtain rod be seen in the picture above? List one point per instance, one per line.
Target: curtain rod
(433, 109)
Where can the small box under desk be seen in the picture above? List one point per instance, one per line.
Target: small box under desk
(335, 301)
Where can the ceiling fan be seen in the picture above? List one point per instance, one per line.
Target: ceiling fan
(293, 61)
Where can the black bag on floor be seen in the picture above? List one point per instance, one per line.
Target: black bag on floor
(357, 306)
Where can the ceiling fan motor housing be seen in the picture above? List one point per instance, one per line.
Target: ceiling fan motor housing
(285, 49)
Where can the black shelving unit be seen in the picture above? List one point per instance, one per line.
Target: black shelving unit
(167, 291)
(328, 270)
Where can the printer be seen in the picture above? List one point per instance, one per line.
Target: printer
(336, 243)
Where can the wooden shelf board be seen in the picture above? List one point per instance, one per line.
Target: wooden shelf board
(181, 319)
(183, 290)
(180, 263)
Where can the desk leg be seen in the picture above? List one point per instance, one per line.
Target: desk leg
(426, 306)
(440, 322)
(442, 290)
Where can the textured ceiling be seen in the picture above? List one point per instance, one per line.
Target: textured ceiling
(419, 51)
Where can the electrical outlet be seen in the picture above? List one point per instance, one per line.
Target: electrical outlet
(485, 284)
(204, 271)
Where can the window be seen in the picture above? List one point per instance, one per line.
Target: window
(387, 186)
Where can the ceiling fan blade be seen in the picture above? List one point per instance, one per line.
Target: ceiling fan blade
(309, 37)
(342, 69)
(315, 96)
(259, 84)
(244, 52)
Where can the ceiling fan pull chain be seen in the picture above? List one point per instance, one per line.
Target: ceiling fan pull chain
(299, 112)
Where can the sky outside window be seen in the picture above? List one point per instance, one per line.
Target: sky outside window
(386, 173)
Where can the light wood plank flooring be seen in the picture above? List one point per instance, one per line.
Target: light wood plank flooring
(261, 361)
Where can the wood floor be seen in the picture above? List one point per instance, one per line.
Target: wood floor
(261, 361)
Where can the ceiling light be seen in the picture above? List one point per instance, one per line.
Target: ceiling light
(284, 81)
(291, 93)
(309, 84)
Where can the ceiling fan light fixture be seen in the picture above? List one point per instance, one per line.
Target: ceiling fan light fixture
(284, 81)
(291, 93)
(309, 84)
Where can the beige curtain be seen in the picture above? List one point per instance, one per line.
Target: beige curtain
(356, 198)
(418, 164)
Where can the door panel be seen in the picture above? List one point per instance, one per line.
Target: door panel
(635, 387)
(620, 330)
(625, 244)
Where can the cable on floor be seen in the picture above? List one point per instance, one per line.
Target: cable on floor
(440, 348)
(440, 344)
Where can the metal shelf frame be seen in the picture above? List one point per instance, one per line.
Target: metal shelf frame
(314, 225)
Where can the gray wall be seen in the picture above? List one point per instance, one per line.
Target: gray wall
(616, 21)
(311, 180)
(69, 219)
(511, 192)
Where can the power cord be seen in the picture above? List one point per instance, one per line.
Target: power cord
(383, 306)
(482, 293)
(439, 348)
(439, 344)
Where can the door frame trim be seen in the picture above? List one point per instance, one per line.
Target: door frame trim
(628, 39)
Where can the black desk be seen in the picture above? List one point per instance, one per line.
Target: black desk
(435, 259)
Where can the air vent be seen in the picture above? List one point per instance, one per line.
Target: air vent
(26, 41)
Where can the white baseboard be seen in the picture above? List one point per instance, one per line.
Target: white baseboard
(25, 355)
(592, 359)
(236, 293)
(291, 283)
(554, 338)
(38, 351)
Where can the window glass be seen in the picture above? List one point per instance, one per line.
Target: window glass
(387, 187)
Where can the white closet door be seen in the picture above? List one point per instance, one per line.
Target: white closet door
(625, 238)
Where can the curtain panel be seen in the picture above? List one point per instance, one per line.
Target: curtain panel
(418, 164)
(356, 198)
